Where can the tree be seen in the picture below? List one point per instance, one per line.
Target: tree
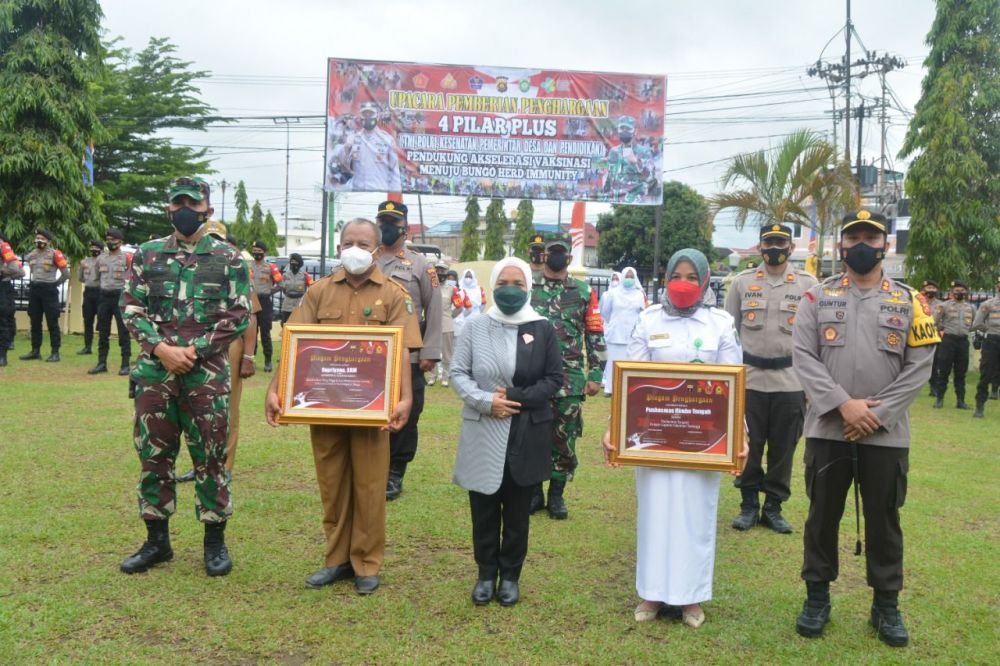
(496, 228)
(256, 228)
(50, 55)
(241, 227)
(954, 180)
(524, 228)
(470, 231)
(141, 96)
(627, 232)
(271, 236)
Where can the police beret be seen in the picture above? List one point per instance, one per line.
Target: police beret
(556, 239)
(43, 232)
(865, 218)
(96, 243)
(959, 283)
(260, 244)
(775, 231)
(296, 256)
(396, 209)
(114, 233)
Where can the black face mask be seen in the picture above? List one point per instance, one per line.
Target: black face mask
(257, 255)
(862, 258)
(94, 252)
(390, 233)
(41, 245)
(930, 295)
(369, 123)
(535, 256)
(625, 137)
(775, 256)
(960, 295)
(187, 221)
(113, 245)
(557, 261)
(295, 266)
(441, 278)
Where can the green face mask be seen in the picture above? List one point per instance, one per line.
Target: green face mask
(510, 299)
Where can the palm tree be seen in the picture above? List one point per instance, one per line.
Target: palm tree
(783, 185)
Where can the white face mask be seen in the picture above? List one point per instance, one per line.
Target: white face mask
(468, 282)
(356, 260)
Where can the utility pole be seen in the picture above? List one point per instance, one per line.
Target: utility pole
(287, 121)
(848, 32)
(223, 186)
(658, 216)
(322, 233)
(420, 210)
(861, 117)
(559, 218)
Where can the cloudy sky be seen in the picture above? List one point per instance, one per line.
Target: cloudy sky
(736, 73)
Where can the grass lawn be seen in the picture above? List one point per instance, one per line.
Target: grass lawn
(68, 516)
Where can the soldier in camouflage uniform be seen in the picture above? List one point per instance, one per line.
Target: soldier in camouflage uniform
(186, 299)
(630, 166)
(572, 308)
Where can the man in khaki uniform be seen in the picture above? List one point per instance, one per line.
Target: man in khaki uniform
(49, 269)
(763, 301)
(930, 292)
(112, 268)
(954, 318)
(863, 347)
(266, 280)
(86, 273)
(352, 462)
(988, 323)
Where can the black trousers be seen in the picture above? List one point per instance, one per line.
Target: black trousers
(775, 422)
(403, 444)
(500, 529)
(952, 354)
(882, 474)
(264, 319)
(989, 367)
(91, 299)
(284, 317)
(43, 300)
(108, 309)
(7, 309)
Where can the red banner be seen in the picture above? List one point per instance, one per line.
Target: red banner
(494, 132)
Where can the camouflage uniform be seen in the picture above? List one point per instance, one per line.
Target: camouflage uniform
(187, 295)
(571, 306)
(626, 182)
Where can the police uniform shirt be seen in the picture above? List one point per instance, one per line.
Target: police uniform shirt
(263, 280)
(294, 283)
(988, 317)
(10, 265)
(852, 343)
(374, 162)
(46, 266)
(112, 269)
(87, 272)
(418, 277)
(764, 307)
(955, 317)
(377, 302)
(447, 315)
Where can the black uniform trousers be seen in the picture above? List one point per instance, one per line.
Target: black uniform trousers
(882, 474)
(43, 300)
(403, 444)
(264, 319)
(952, 353)
(775, 421)
(91, 300)
(500, 528)
(989, 367)
(108, 309)
(7, 309)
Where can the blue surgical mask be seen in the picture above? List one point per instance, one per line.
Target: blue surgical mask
(628, 282)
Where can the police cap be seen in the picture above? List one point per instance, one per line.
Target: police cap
(114, 233)
(865, 218)
(931, 283)
(43, 232)
(260, 245)
(776, 231)
(392, 209)
(959, 283)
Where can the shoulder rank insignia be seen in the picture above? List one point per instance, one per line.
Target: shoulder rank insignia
(790, 277)
(759, 274)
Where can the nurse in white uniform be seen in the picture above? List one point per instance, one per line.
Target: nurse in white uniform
(676, 519)
(620, 308)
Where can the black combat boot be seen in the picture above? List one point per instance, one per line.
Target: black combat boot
(124, 370)
(102, 366)
(3, 358)
(156, 549)
(394, 488)
(267, 365)
(770, 516)
(980, 409)
(537, 500)
(748, 510)
(939, 403)
(84, 351)
(887, 619)
(217, 562)
(995, 394)
(961, 404)
(53, 357)
(815, 611)
(31, 356)
(556, 505)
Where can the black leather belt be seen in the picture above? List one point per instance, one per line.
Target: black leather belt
(779, 363)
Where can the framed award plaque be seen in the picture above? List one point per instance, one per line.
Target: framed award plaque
(681, 415)
(339, 375)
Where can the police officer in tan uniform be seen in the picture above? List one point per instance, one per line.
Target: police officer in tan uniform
(112, 268)
(954, 320)
(987, 324)
(863, 348)
(930, 291)
(49, 269)
(266, 279)
(86, 273)
(763, 301)
(352, 462)
(418, 276)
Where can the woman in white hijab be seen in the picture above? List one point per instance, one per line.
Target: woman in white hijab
(506, 369)
(620, 309)
(472, 299)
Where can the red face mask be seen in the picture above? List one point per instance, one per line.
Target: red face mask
(683, 294)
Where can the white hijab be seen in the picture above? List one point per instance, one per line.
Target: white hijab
(526, 313)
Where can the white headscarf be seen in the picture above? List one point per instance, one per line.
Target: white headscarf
(526, 313)
(635, 276)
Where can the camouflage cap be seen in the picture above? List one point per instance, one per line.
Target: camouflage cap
(626, 121)
(189, 186)
(554, 239)
(217, 229)
(369, 107)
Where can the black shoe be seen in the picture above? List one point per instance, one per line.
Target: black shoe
(508, 594)
(330, 575)
(771, 517)
(186, 477)
(888, 621)
(994, 394)
(30, 356)
(155, 550)
(267, 366)
(98, 369)
(3, 358)
(939, 403)
(482, 593)
(217, 562)
(84, 351)
(556, 504)
(124, 371)
(537, 500)
(961, 404)
(53, 357)
(394, 487)
(980, 410)
(749, 508)
(365, 584)
(815, 611)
